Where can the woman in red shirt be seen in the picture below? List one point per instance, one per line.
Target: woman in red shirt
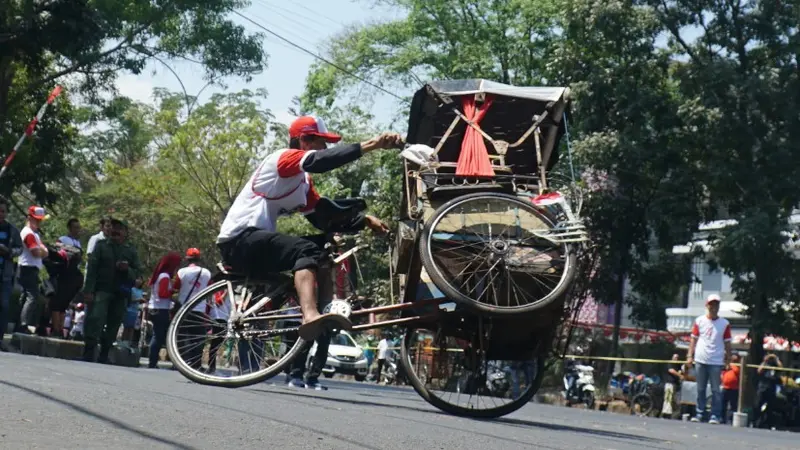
(160, 304)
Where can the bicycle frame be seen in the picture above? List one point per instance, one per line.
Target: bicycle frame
(243, 309)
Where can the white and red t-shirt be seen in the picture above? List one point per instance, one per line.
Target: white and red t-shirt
(191, 280)
(30, 240)
(161, 293)
(278, 187)
(711, 336)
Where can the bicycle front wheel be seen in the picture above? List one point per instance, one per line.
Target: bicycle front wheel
(208, 347)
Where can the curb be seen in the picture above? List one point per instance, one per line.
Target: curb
(27, 344)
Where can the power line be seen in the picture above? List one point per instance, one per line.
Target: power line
(326, 61)
(310, 17)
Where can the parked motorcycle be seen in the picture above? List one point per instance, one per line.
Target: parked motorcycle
(579, 385)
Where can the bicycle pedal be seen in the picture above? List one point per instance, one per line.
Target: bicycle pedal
(340, 307)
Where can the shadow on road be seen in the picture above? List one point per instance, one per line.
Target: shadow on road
(572, 429)
(109, 420)
(642, 440)
(346, 401)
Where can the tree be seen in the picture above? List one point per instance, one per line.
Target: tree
(84, 45)
(178, 175)
(632, 140)
(741, 85)
(505, 41)
(40, 160)
(94, 40)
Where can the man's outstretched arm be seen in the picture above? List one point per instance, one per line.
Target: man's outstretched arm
(293, 161)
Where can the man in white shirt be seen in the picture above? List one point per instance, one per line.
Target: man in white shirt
(282, 185)
(383, 354)
(30, 262)
(105, 231)
(189, 282)
(710, 349)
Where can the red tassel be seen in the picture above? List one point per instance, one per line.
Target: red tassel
(474, 158)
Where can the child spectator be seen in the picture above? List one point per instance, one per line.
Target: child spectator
(77, 324)
(132, 313)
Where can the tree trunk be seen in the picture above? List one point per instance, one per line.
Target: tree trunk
(755, 354)
(619, 290)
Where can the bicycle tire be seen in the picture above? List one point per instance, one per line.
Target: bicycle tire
(438, 278)
(648, 400)
(210, 380)
(435, 401)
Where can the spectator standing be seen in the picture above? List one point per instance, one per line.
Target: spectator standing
(70, 280)
(190, 281)
(110, 274)
(730, 388)
(105, 232)
(672, 388)
(73, 236)
(219, 310)
(160, 303)
(30, 263)
(76, 333)
(10, 248)
(769, 381)
(68, 315)
(710, 349)
(131, 320)
(383, 354)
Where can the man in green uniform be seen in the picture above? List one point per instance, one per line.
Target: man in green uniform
(110, 274)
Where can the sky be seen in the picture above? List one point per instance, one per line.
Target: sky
(284, 77)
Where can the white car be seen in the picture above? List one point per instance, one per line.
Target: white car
(344, 356)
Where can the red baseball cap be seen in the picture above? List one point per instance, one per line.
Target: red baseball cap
(37, 212)
(193, 253)
(313, 126)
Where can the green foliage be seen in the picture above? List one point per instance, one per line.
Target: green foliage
(741, 83)
(631, 142)
(40, 159)
(84, 45)
(506, 41)
(176, 177)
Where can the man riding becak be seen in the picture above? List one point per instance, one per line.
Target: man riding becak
(282, 185)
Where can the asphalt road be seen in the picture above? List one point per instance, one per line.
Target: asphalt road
(50, 403)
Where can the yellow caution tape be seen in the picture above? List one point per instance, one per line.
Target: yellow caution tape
(662, 361)
(609, 358)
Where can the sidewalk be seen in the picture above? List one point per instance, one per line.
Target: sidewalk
(62, 349)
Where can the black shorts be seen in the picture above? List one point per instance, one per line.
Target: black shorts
(258, 253)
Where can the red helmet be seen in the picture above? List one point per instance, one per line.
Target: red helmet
(193, 253)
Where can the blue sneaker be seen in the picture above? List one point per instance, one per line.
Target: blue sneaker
(296, 383)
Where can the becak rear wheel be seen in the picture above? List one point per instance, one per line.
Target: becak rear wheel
(487, 251)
